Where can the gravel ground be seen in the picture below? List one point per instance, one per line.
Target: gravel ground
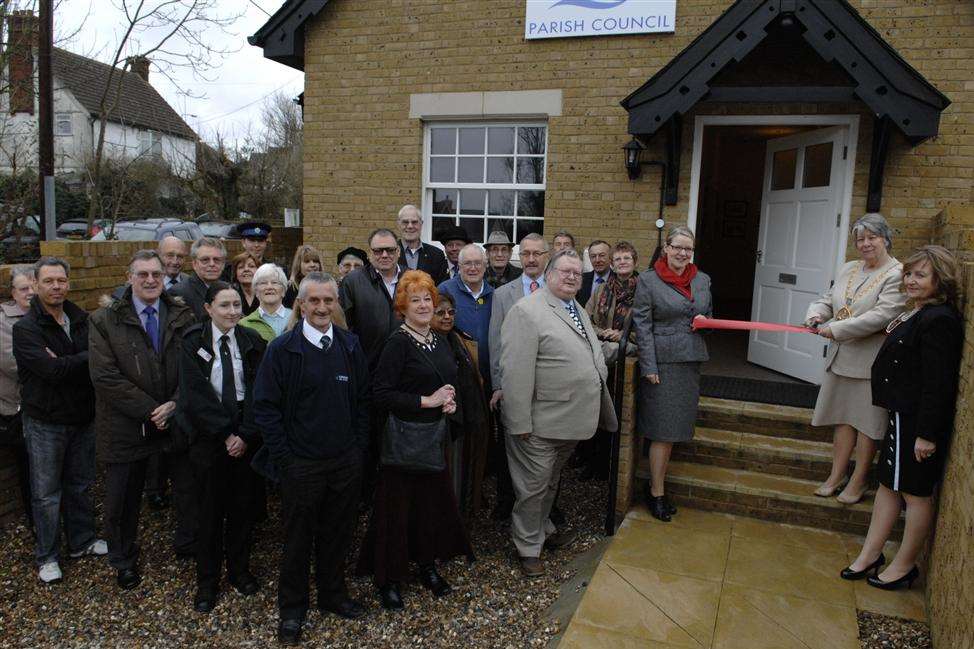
(885, 632)
(491, 606)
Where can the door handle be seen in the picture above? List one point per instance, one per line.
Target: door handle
(759, 255)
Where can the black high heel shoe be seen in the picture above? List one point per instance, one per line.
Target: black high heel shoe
(855, 575)
(657, 507)
(906, 580)
(670, 507)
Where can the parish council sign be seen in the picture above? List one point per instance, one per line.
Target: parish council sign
(565, 18)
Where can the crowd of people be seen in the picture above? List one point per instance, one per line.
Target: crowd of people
(408, 376)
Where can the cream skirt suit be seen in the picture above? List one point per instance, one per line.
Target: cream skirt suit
(857, 308)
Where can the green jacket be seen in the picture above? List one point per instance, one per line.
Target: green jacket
(255, 322)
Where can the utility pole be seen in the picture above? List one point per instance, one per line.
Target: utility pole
(45, 118)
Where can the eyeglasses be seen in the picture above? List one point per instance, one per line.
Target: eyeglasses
(210, 260)
(143, 275)
(685, 251)
(378, 252)
(472, 263)
(530, 254)
(442, 312)
(568, 274)
(268, 282)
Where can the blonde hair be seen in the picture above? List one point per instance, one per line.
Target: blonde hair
(302, 254)
(945, 273)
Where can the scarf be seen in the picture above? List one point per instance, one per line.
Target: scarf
(622, 293)
(680, 282)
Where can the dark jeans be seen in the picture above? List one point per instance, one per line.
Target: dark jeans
(62, 470)
(124, 482)
(228, 499)
(319, 501)
(186, 498)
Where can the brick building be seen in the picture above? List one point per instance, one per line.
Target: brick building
(767, 126)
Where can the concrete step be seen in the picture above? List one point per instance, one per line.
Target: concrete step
(770, 497)
(734, 449)
(761, 419)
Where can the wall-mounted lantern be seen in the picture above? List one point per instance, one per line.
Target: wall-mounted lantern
(633, 150)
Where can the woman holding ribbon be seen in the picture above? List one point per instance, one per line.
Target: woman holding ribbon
(852, 315)
(915, 378)
(668, 297)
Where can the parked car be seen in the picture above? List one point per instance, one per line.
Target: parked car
(77, 229)
(20, 240)
(220, 229)
(150, 230)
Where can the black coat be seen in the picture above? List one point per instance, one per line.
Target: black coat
(131, 379)
(54, 390)
(916, 370)
(193, 294)
(431, 260)
(368, 310)
(510, 274)
(202, 416)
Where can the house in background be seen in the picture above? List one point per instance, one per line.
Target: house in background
(140, 122)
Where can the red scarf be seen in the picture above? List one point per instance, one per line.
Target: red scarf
(680, 282)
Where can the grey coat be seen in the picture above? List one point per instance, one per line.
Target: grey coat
(504, 299)
(662, 317)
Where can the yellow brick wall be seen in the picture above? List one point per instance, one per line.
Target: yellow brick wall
(950, 589)
(363, 154)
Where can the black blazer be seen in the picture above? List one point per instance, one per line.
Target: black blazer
(431, 259)
(916, 370)
(202, 418)
(193, 292)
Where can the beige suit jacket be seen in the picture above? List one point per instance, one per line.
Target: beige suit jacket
(554, 378)
(858, 338)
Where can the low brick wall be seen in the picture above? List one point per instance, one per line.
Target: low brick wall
(97, 268)
(950, 582)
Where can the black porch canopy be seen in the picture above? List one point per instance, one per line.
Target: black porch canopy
(856, 62)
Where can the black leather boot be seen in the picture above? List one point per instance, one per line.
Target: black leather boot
(657, 507)
(433, 581)
(391, 599)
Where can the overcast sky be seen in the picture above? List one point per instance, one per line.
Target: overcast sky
(231, 96)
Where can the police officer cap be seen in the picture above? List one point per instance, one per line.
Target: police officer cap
(254, 230)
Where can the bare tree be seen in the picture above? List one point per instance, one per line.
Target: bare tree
(173, 34)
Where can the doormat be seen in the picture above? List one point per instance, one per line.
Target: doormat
(802, 395)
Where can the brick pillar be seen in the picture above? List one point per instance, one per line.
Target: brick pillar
(628, 443)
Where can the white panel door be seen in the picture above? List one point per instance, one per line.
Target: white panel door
(799, 233)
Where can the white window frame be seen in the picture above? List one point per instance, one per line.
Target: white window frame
(428, 187)
(61, 118)
(150, 143)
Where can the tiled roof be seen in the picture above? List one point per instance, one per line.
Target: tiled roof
(139, 104)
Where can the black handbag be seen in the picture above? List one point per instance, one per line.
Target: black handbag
(417, 447)
(413, 446)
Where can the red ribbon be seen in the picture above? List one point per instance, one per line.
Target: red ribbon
(711, 323)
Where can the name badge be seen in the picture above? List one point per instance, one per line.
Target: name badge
(341, 377)
(205, 355)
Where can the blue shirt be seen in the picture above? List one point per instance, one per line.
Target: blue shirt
(140, 310)
(473, 316)
(526, 283)
(276, 321)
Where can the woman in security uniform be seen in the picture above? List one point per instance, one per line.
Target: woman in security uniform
(217, 369)
(914, 377)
